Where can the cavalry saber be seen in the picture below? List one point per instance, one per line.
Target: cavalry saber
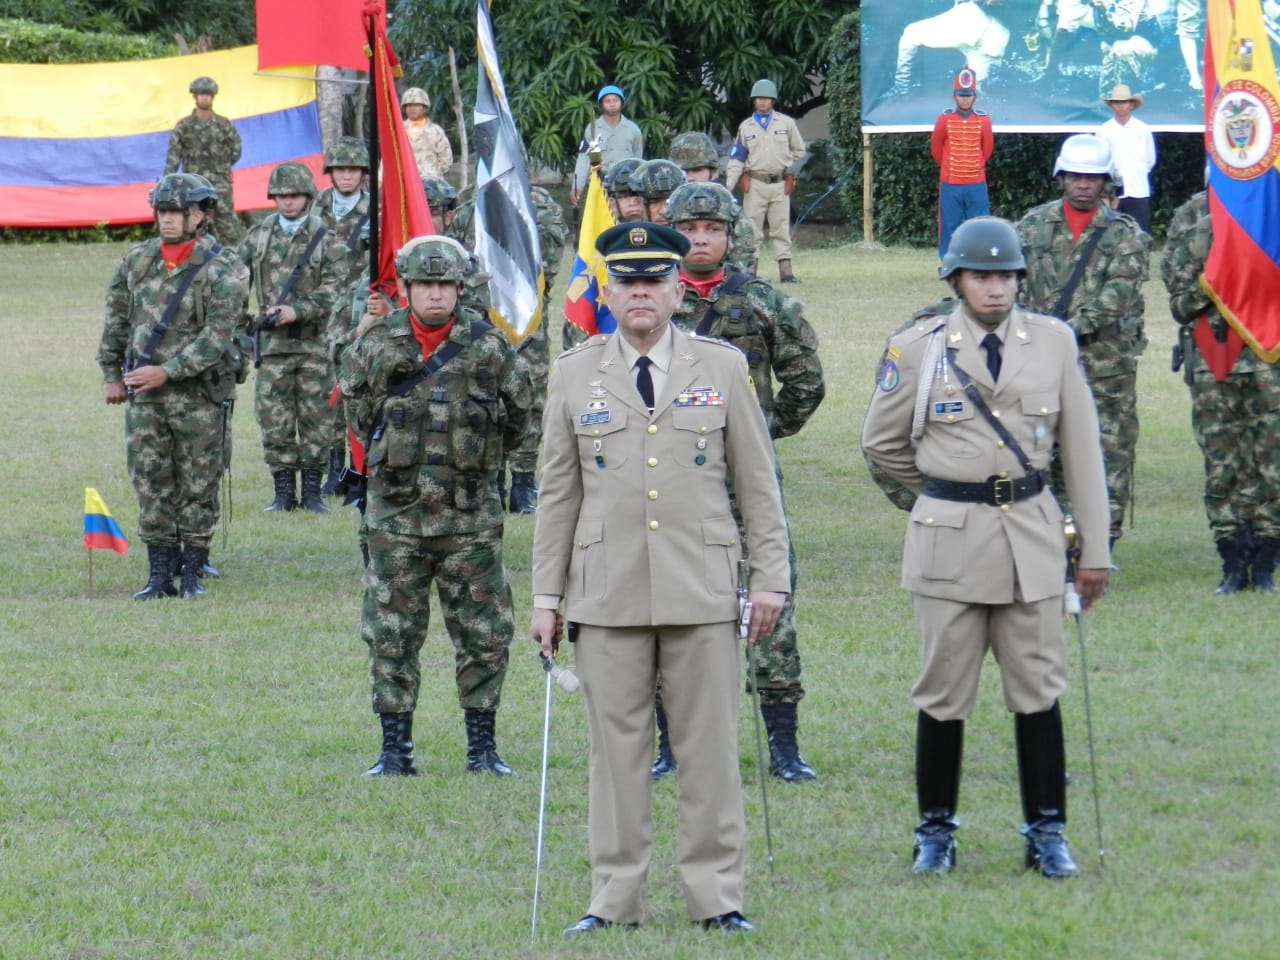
(542, 799)
(1073, 607)
(744, 627)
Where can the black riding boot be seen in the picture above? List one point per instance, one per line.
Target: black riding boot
(312, 500)
(1235, 572)
(785, 761)
(939, 748)
(193, 561)
(396, 759)
(336, 464)
(286, 491)
(524, 493)
(1262, 572)
(1042, 770)
(664, 764)
(482, 755)
(160, 580)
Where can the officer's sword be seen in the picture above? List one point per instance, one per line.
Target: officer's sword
(542, 798)
(1072, 606)
(744, 627)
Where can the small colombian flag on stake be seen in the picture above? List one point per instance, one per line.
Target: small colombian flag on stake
(101, 532)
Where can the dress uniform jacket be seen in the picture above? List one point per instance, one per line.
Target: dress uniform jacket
(976, 552)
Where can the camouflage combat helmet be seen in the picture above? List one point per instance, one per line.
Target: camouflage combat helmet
(765, 88)
(984, 243)
(181, 191)
(415, 95)
(291, 177)
(346, 152)
(433, 258)
(1083, 153)
(203, 85)
(701, 201)
(440, 193)
(694, 150)
(617, 179)
(655, 179)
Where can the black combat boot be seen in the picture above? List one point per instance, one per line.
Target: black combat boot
(482, 755)
(785, 761)
(664, 764)
(193, 561)
(286, 491)
(312, 500)
(939, 748)
(396, 759)
(330, 488)
(1235, 573)
(160, 580)
(524, 493)
(785, 274)
(1262, 572)
(1042, 775)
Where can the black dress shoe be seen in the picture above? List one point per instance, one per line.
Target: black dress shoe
(935, 847)
(732, 922)
(1047, 850)
(591, 923)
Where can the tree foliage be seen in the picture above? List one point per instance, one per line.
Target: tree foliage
(229, 23)
(684, 64)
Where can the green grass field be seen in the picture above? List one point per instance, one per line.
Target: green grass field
(182, 779)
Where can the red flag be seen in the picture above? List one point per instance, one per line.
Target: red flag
(331, 32)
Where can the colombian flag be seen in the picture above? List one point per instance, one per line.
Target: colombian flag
(1242, 136)
(101, 532)
(583, 305)
(82, 144)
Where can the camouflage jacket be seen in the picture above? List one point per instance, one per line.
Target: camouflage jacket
(197, 347)
(271, 256)
(207, 147)
(778, 342)
(435, 452)
(1106, 307)
(431, 149)
(744, 249)
(346, 230)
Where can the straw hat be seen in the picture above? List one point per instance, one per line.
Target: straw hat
(1120, 92)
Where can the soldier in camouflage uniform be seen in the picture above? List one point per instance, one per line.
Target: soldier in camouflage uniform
(431, 149)
(344, 208)
(779, 344)
(654, 181)
(624, 203)
(1236, 419)
(207, 144)
(291, 391)
(536, 348)
(175, 419)
(695, 153)
(439, 430)
(1104, 306)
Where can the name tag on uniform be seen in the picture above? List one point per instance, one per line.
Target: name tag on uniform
(948, 406)
(599, 416)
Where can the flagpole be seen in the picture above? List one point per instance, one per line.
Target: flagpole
(373, 153)
(90, 552)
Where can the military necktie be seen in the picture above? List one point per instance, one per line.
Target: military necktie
(991, 344)
(644, 381)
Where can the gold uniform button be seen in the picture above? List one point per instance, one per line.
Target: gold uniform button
(653, 494)
(702, 429)
(928, 522)
(999, 444)
(1004, 474)
(1044, 409)
(996, 414)
(595, 433)
(951, 418)
(653, 524)
(652, 461)
(1004, 507)
(652, 428)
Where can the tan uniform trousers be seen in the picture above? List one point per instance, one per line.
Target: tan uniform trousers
(1025, 638)
(768, 206)
(700, 668)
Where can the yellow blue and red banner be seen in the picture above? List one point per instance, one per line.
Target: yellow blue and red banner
(1242, 137)
(584, 304)
(101, 532)
(82, 144)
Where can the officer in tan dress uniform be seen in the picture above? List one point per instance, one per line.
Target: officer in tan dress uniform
(636, 536)
(966, 413)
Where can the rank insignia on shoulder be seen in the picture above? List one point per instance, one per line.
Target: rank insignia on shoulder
(596, 416)
(700, 397)
(889, 377)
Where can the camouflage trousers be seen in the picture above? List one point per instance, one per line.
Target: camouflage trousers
(1116, 399)
(1237, 424)
(537, 355)
(475, 599)
(175, 456)
(291, 401)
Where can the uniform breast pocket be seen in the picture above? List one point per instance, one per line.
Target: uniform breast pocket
(600, 436)
(936, 540)
(402, 430)
(699, 436)
(1040, 412)
(721, 551)
(587, 568)
(950, 417)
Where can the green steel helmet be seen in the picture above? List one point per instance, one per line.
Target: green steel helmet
(987, 244)
(203, 85)
(617, 179)
(765, 88)
(346, 152)
(701, 201)
(440, 193)
(181, 191)
(655, 179)
(415, 95)
(1083, 153)
(291, 177)
(694, 150)
(433, 258)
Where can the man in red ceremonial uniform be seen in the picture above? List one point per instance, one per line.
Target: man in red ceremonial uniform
(962, 143)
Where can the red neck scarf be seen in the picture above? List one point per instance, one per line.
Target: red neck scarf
(429, 337)
(1077, 220)
(704, 286)
(176, 253)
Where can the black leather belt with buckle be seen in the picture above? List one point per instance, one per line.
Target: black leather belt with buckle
(994, 491)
